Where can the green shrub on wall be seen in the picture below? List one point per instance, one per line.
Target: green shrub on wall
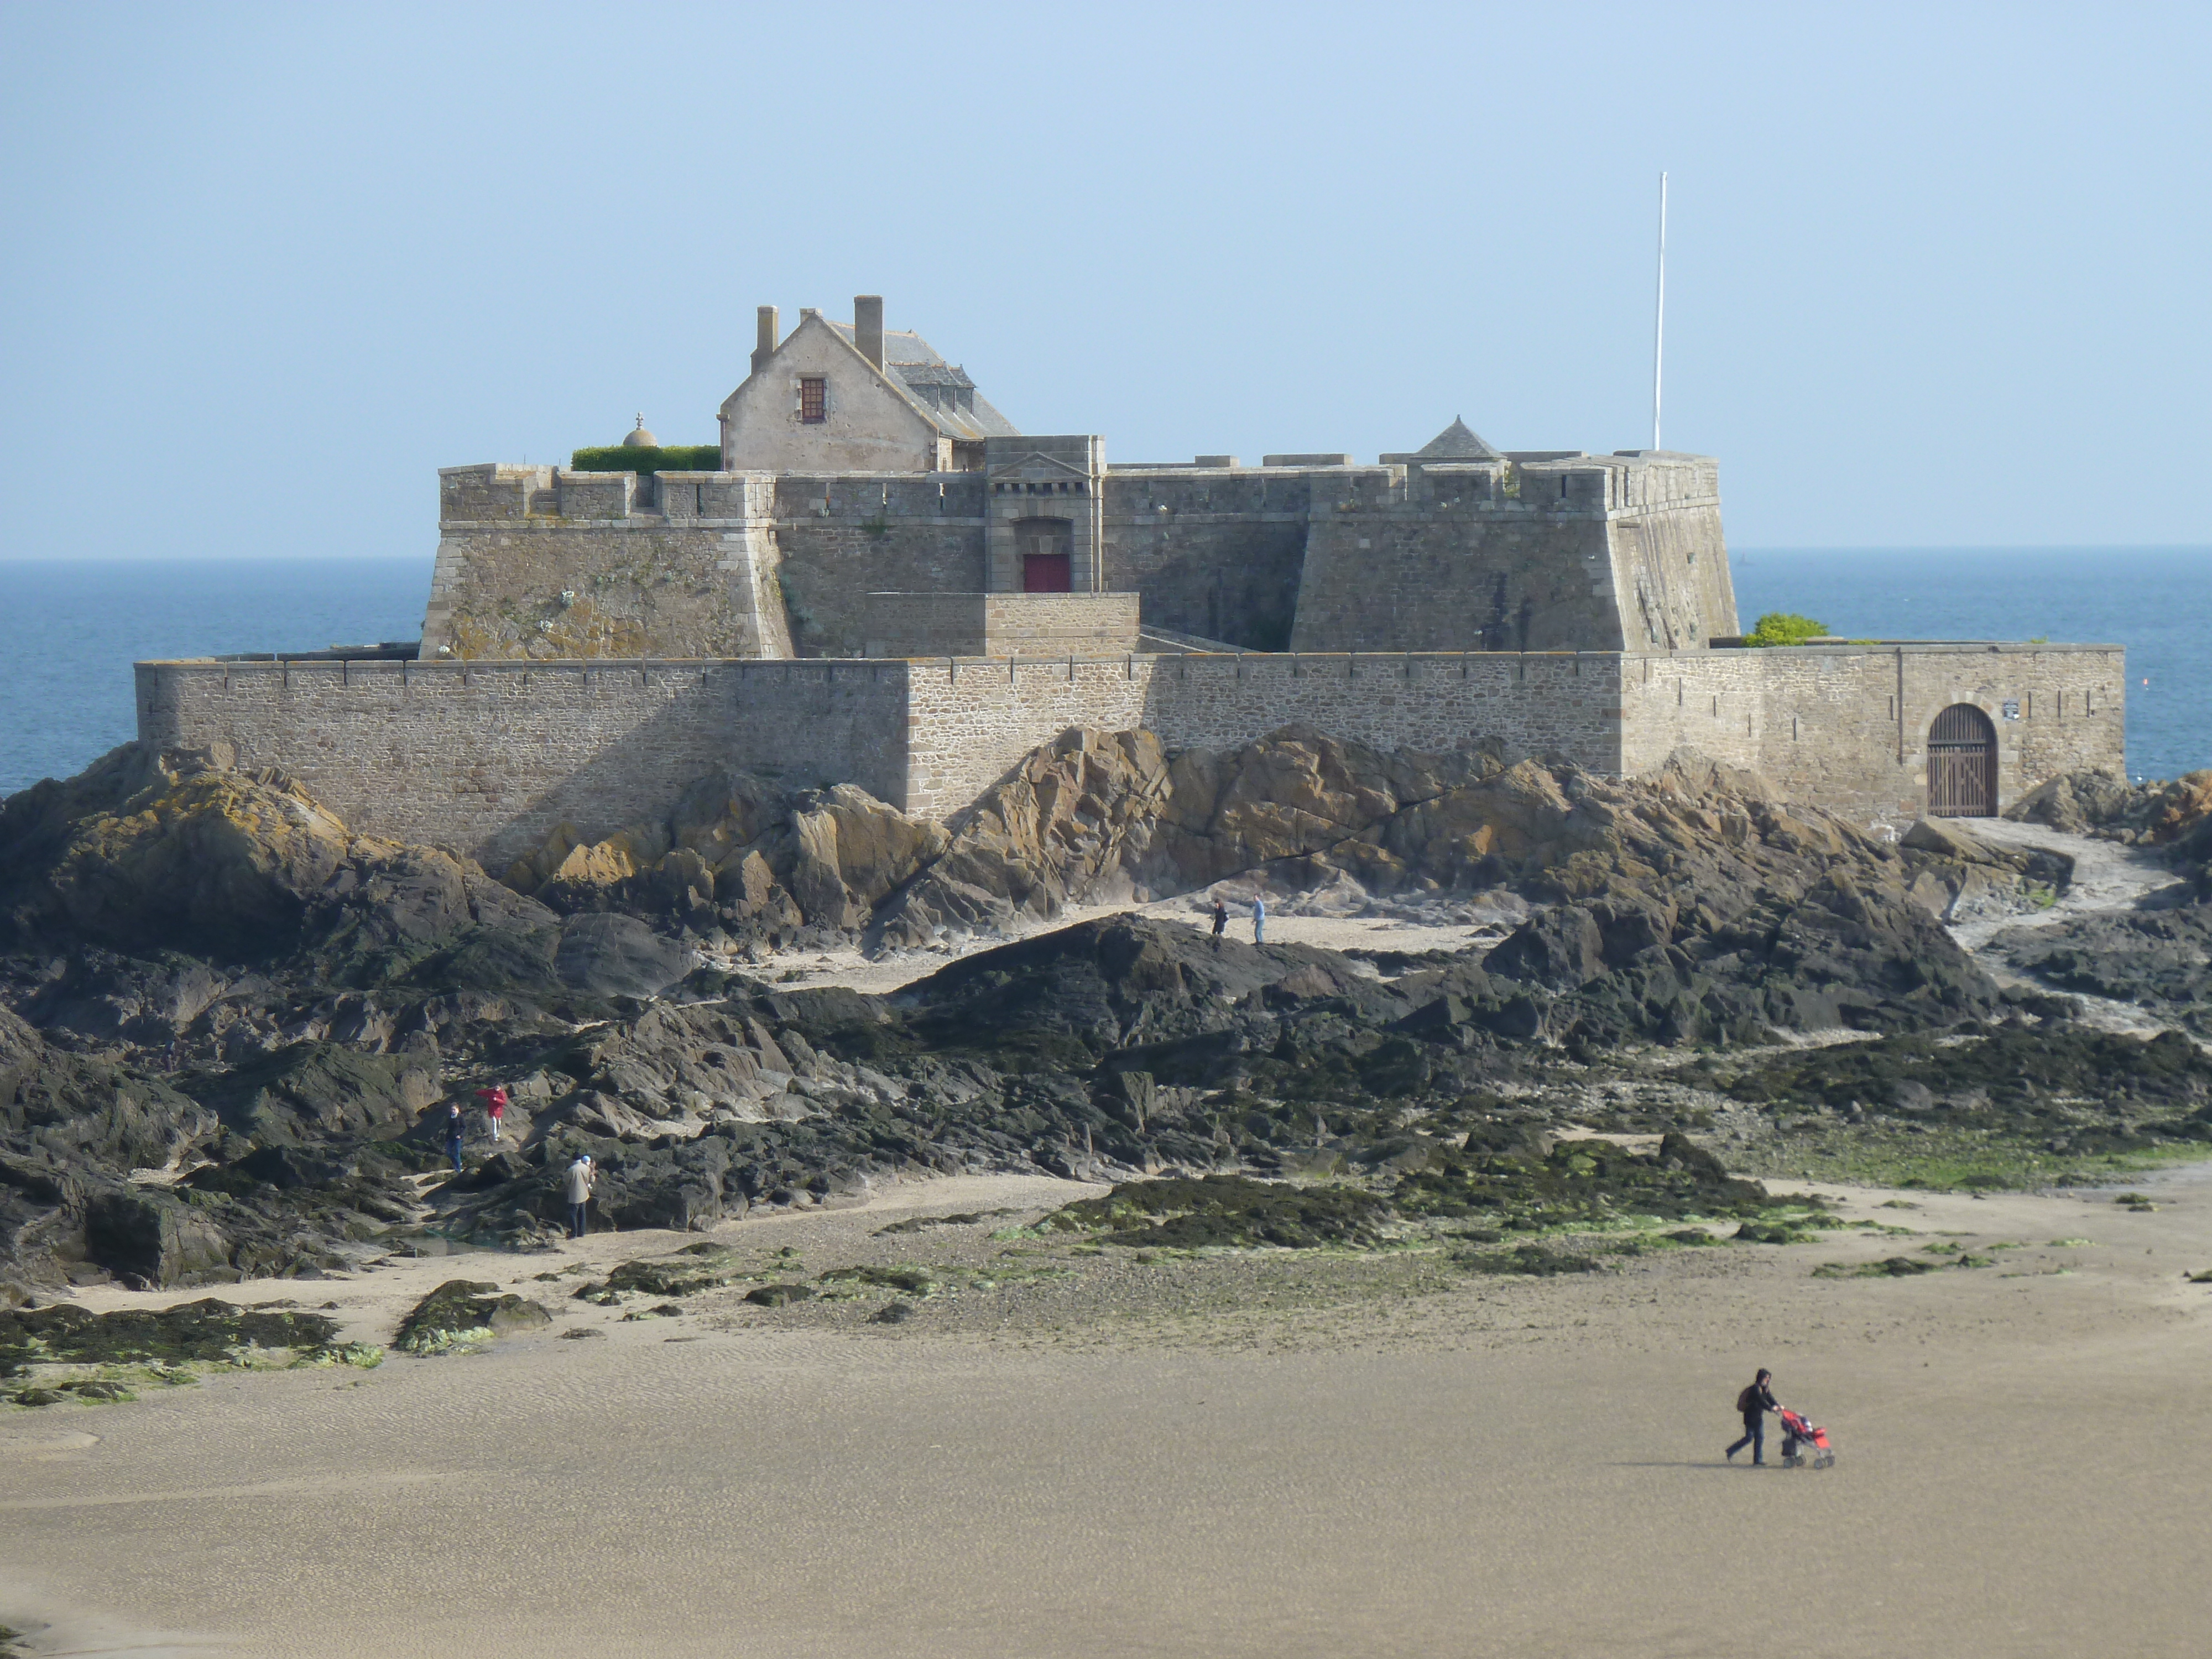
(1781, 628)
(668, 458)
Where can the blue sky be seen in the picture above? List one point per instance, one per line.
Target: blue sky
(1938, 275)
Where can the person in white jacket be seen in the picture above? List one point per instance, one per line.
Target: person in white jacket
(1259, 919)
(578, 1180)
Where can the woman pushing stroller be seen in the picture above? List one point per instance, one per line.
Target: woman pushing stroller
(1754, 1402)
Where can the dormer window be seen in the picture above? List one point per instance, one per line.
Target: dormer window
(813, 400)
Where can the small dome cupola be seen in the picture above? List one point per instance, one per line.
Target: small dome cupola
(639, 438)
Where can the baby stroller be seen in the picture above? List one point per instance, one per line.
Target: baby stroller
(1796, 1435)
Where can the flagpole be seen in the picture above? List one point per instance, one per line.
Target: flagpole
(1659, 322)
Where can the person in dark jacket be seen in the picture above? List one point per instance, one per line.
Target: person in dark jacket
(1220, 922)
(454, 1132)
(1754, 1402)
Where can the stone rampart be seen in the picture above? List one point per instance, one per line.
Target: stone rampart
(1001, 624)
(486, 758)
(1847, 727)
(969, 722)
(1603, 552)
(1554, 553)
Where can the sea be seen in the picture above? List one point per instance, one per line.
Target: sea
(70, 629)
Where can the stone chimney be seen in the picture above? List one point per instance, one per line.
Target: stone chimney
(765, 347)
(868, 326)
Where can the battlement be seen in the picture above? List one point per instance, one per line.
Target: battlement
(497, 494)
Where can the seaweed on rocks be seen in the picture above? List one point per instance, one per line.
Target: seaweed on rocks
(1580, 1183)
(207, 1333)
(1183, 1213)
(693, 1269)
(1529, 1261)
(2088, 1086)
(779, 1295)
(462, 1312)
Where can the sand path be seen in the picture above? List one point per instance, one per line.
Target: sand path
(1505, 1468)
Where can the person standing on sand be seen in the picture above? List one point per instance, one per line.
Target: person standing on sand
(1220, 922)
(1754, 1402)
(1259, 919)
(494, 1100)
(579, 1182)
(454, 1129)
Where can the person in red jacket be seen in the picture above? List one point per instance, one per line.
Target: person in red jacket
(495, 1107)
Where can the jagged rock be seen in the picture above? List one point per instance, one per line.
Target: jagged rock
(1065, 824)
(1957, 877)
(176, 850)
(313, 1091)
(2160, 960)
(153, 1239)
(615, 955)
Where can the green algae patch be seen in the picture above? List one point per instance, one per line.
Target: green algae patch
(1995, 1109)
(1185, 1213)
(693, 1269)
(973, 1218)
(68, 1354)
(909, 1281)
(462, 1313)
(1531, 1260)
(1583, 1183)
(1895, 1267)
(204, 1333)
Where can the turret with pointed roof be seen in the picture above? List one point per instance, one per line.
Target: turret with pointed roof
(1456, 442)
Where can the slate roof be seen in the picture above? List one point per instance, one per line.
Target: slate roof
(1456, 442)
(942, 391)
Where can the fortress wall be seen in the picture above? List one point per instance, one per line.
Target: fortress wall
(641, 587)
(1433, 577)
(485, 759)
(845, 536)
(1001, 624)
(1223, 560)
(1822, 723)
(1671, 571)
(1713, 702)
(969, 722)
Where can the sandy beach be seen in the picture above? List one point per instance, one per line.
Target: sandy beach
(1118, 1460)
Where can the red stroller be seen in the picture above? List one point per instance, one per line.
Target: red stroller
(1796, 1435)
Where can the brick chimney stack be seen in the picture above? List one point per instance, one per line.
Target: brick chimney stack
(868, 326)
(765, 347)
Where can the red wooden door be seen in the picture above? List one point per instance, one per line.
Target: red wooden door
(1047, 573)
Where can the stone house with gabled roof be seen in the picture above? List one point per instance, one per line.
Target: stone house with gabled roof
(854, 397)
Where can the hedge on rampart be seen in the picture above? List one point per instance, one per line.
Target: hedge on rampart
(667, 457)
(1782, 628)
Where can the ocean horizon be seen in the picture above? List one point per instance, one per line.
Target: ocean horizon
(74, 627)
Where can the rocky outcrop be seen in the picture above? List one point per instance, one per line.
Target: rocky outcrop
(463, 1312)
(233, 1026)
(1069, 825)
(736, 854)
(2097, 804)
(151, 852)
(1957, 877)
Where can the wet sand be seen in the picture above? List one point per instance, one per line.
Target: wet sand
(1505, 1467)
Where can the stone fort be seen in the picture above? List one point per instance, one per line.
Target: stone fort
(883, 582)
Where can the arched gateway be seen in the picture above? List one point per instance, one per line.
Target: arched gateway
(1962, 764)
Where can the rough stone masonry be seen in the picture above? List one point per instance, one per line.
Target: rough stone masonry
(887, 584)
